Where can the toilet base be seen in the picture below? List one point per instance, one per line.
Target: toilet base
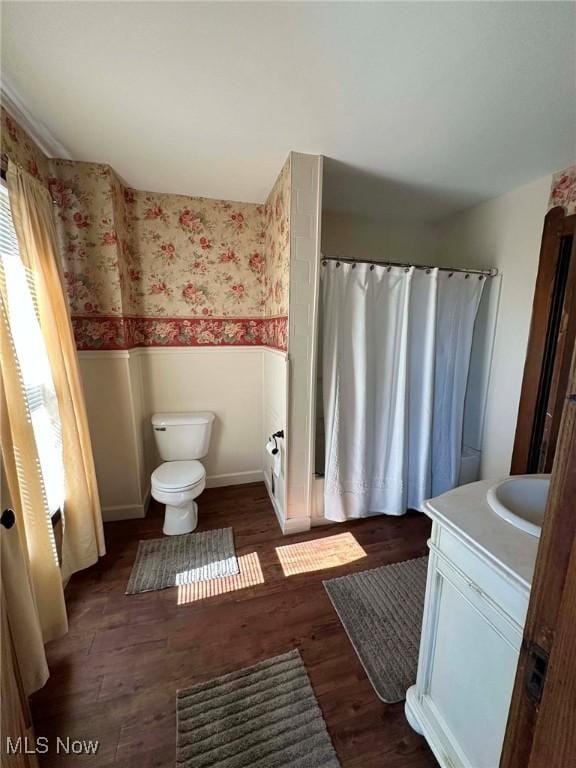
(178, 520)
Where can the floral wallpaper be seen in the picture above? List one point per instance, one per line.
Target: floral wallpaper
(563, 191)
(147, 269)
(277, 246)
(87, 227)
(192, 256)
(19, 147)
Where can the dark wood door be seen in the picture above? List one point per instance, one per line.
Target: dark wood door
(564, 344)
(552, 336)
(541, 730)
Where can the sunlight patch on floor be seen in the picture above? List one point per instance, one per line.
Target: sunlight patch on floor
(250, 575)
(319, 554)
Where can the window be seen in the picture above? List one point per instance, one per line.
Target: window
(32, 359)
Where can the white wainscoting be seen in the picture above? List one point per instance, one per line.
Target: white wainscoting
(275, 369)
(115, 433)
(123, 389)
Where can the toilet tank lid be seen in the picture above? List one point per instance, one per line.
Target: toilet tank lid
(181, 419)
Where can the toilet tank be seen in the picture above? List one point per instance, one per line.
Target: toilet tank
(182, 436)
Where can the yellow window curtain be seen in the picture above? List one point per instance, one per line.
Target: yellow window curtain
(43, 604)
(18, 589)
(33, 217)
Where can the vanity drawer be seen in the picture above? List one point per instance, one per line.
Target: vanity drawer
(482, 575)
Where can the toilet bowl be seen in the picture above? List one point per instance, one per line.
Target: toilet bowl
(181, 439)
(176, 484)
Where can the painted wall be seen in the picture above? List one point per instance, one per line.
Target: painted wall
(351, 236)
(504, 233)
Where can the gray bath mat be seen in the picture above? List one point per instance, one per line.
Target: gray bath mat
(265, 716)
(381, 611)
(175, 560)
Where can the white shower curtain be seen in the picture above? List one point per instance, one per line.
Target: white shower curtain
(396, 351)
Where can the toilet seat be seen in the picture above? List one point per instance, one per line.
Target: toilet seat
(174, 476)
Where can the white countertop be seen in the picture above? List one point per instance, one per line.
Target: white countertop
(468, 515)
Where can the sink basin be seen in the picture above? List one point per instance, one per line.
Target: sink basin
(521, 501)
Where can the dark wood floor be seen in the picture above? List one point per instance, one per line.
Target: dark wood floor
(115, 675)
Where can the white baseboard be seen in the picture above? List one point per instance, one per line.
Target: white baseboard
(128, 512)
(291, 525)
(131, 512)
(135, 511)
(296, 525)
(235, 478)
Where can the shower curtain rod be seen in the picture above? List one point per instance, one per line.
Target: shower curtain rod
(484, 272)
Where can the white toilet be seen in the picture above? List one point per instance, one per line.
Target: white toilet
(182, 439)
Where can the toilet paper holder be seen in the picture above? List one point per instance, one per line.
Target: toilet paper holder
(277, 436)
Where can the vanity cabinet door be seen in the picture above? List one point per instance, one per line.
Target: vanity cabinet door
(469, 660)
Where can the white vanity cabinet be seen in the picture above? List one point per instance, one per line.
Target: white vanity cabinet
(477, 593)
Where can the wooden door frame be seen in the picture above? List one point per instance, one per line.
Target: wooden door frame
(543, 732)
(556, 225)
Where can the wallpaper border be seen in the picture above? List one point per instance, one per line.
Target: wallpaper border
(105, 333)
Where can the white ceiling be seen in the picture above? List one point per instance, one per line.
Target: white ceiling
(422, 108)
